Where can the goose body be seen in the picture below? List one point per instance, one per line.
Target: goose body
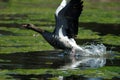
(66, 28)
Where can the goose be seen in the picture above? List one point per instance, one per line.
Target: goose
(66, 27)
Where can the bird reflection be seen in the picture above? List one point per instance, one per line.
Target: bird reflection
(49, 59)
(85, 62)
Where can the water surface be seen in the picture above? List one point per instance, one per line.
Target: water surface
(52, 60)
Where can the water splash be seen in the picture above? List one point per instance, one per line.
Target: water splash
(93, 50)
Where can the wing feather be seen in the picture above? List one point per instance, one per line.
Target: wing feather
(68, 17)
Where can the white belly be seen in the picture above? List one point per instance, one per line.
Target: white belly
(70, 43)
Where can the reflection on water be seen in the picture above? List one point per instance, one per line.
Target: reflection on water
(85, 62)
(32, 77)
(73, 77)
(79, 78)
(51, 60)
(48, 76)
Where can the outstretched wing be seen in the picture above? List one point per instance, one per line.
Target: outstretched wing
(68, 17)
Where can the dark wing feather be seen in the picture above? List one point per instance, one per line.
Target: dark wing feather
(72, 14)
(68, 18)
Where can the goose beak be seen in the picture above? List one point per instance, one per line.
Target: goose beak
(26, 26)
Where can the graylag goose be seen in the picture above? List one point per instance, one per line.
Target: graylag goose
(66, 28)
